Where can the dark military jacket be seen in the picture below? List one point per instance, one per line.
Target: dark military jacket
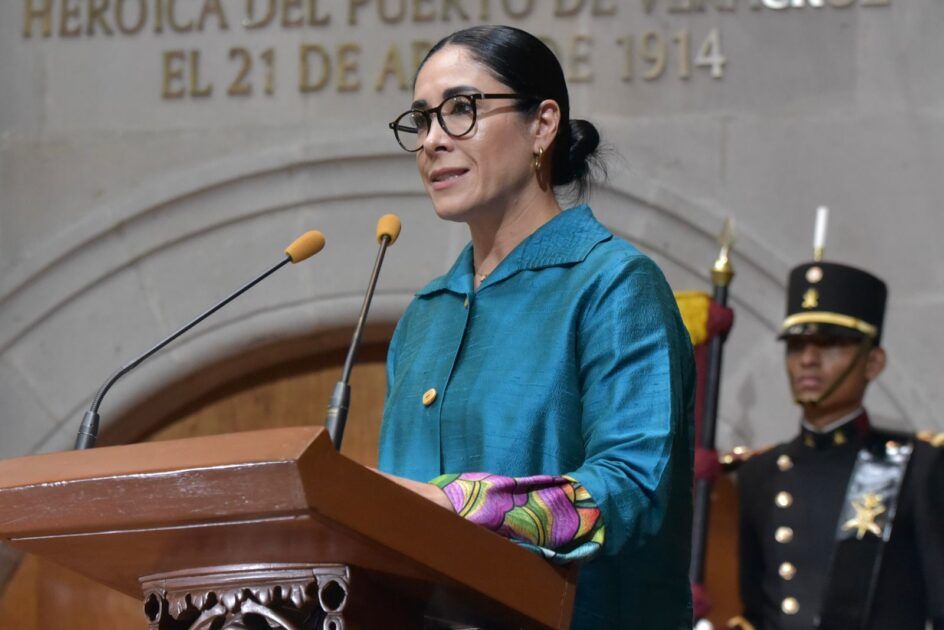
(791, 497)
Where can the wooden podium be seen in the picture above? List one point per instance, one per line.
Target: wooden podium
(271, 529)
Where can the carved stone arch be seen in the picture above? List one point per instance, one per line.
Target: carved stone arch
(160, 255)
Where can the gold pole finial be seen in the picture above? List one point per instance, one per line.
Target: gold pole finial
(819, 233)
(722, 272)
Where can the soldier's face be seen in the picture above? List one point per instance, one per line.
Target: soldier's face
(815, 362)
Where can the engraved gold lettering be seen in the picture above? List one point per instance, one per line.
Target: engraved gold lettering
(172, 19)
(195, 90)
(120, 17)
(268, 58)
(159, 16)
(69, 11)
(518, 12)
(305, 82)
(239, 86)
(173, 72)
(251, 22)
(353, 7)
(213, 7)
(423, 11)
(841, 4)
(580, 70)
(568, 8)
(628, 70)
(485, 11)
(649, 5)
(453, 5)
(31, 14)
(287, 7)
(602, 9)
(348, 67)
(687, 6)
(388, 17)
(97, 9)
(876, 3)
(711, 56)
(393, 66)
(683, 41)
(313, 18)
(653, 52)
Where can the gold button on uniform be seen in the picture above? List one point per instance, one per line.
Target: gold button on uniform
(783, 535)
(790, 606)
(429, 396)
(787, 571)
(783, 499)
(784, 462)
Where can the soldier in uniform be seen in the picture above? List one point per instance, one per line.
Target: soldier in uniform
(843, 526)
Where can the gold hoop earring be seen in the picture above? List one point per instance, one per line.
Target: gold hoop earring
(538, 158)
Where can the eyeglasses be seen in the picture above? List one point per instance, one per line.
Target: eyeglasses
(456, 116)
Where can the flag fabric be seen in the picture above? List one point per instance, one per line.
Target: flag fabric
(704, 319)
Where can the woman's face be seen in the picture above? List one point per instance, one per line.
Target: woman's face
(487, 170)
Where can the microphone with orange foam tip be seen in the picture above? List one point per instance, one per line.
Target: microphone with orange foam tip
(306, 246)
(388, 229)
(388, 225)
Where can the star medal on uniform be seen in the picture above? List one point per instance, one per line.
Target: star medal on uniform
(867, 508)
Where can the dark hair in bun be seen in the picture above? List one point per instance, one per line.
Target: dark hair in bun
(526, 65)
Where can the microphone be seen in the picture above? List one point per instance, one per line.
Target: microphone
(388, 229)
(305, 246)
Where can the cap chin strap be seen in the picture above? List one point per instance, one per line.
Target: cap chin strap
(864, 347)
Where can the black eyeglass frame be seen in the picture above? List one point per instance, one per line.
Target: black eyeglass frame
(427, 115)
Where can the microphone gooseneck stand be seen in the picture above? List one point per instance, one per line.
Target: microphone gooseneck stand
(340, 401)
(88, 432)
(305, 246)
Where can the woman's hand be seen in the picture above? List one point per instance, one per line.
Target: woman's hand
(426, 490)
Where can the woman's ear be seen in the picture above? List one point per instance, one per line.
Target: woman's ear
(546, 124)
(874, 363)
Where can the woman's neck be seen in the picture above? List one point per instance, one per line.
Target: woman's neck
(496, 234)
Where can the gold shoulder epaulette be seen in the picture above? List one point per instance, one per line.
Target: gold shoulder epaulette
(934, 439)
(740, 623)
(733, 459)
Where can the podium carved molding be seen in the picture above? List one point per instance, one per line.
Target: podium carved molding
(248, 597)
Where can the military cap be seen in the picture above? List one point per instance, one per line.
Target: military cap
(825, 298)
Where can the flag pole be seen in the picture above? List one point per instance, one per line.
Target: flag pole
(722, 273)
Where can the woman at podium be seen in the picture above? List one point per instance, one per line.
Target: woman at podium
(543, 386)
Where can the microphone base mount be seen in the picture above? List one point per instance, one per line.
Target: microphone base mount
(337, 413)
(88, 432)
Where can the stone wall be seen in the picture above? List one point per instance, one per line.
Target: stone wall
(155, 154)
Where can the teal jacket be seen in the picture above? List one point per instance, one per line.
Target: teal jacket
(570, 358)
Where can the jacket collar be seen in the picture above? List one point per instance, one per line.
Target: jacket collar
(564, 240)
(852, 430)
